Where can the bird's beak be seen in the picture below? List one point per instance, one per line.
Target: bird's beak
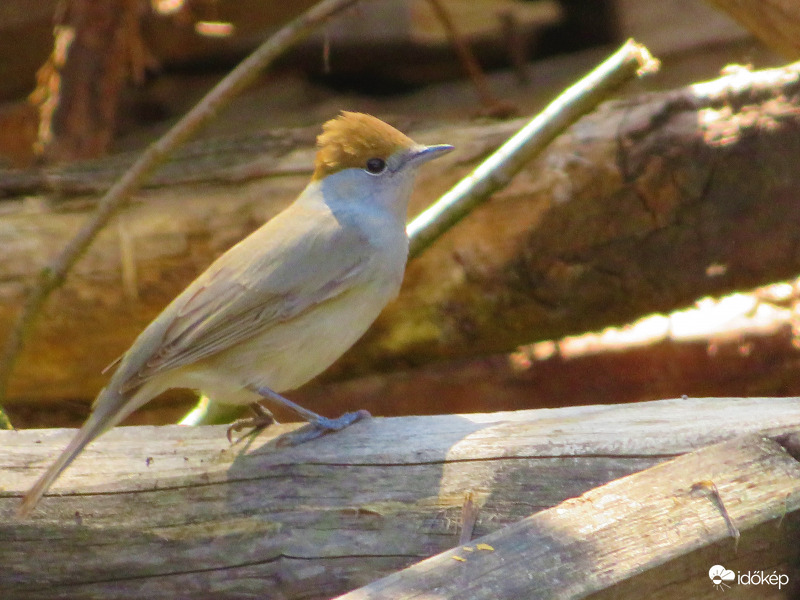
(422, 154)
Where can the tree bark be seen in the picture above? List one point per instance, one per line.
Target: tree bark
(156, 512)
(646, 205)
(97, 45)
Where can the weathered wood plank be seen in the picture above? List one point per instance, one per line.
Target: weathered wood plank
(156, 512)
(659, 531)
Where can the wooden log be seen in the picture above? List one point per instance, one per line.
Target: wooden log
(775, 22)
(156, 512)
(661, 530)
(742, 343)
(644, 206)
(693, 26)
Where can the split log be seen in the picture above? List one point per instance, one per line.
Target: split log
(157, 512)
(661, 530)
(644, 206)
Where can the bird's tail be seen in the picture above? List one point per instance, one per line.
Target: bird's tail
(108, 411)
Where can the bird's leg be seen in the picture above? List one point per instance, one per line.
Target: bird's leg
(260, 419)
(317, 424)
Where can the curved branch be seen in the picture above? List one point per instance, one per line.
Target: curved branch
(54, 274)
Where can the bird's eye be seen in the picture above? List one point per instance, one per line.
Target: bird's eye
(376, 166)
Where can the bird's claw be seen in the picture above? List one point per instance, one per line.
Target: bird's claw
(320, 426)
(255, 423)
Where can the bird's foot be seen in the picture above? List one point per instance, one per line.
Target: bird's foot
(320, 425)
(260, 419)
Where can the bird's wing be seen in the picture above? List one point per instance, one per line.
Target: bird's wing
(247, 290)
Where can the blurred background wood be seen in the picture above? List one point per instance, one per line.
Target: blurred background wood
(165, 238)
(741, 345)
(181, 44)
(775, 22)
(153, 512)
(607, 226)
(97, 48)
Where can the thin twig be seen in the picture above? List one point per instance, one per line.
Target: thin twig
(490, 102)
(709, 488)
(469, 516)
(54, 274)
(497, 170)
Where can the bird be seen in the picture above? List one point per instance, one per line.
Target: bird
(283, 304)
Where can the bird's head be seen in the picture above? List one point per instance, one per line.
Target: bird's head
(361, 158)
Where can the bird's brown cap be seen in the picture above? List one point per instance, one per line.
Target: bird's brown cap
(351, 139)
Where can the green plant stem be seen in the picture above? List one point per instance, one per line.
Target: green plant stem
(498, 170)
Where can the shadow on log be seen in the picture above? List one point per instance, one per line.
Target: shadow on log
(161, 512)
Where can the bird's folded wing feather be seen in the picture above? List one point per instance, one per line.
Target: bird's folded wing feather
(247, 290)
